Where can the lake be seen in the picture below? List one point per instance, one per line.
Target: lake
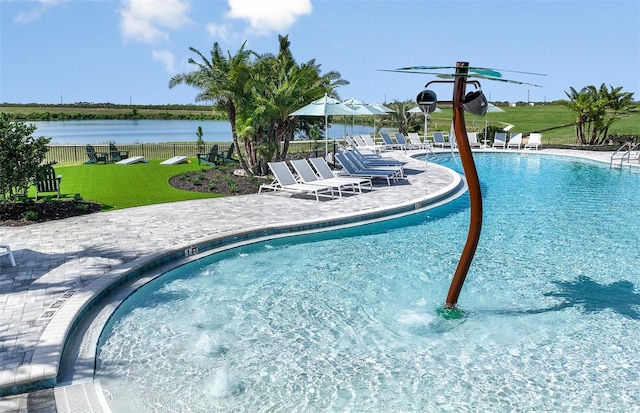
(81, 132)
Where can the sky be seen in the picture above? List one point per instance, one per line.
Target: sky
(125, 51)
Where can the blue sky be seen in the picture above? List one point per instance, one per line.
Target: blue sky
(123, 51)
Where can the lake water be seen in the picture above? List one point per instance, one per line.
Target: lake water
(81, 132)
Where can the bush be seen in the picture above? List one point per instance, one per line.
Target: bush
(20, 156)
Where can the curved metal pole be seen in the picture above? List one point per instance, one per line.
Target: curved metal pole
(475, 194)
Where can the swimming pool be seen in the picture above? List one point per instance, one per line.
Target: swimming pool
(346, 320)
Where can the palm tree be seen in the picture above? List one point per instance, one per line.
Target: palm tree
(400, 117)
(596, 109)
(222, 80)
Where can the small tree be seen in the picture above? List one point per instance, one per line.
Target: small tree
(200, 141)
(20, 156)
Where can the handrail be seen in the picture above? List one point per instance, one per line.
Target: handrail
(626, 154)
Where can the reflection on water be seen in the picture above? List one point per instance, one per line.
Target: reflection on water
(80, 132)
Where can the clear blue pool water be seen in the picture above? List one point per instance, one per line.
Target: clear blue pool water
(346, 321)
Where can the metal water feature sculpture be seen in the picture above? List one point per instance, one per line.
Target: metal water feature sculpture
(474, 102)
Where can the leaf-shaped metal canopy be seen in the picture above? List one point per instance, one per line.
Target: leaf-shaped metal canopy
(473, 72)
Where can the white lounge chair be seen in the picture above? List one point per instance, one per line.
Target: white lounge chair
(307, 175)
(371, 144)
(414, 141)
(324, 171)
(500, 140)
(353, 144)
(285, 181)
(515, 141)
(473, 139)
(535, 141)
(7, 251)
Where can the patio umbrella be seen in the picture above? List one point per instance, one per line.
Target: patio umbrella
(426, 117)
(362, 109)
(324, 106)
(381, 107)
(491, 108)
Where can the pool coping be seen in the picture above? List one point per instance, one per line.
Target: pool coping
(44, 368)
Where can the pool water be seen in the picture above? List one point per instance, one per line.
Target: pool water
(347, 320)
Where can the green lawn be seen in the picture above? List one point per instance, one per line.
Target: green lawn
(126, 186)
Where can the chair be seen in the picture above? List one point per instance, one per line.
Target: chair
(401, 140)
(535, 141)
(388, 142)
(7, 251)
(362, 165)
(209, 158)
(285, 181)
(371, 173)
(307, 175)
(228, 156)
(324, 171)
(47, 180)
(354, 146)
(95, 157)
(414, 141)
(473, 139)
(116, 154)
(515, 140)
(438, 139)
(377, 162)
(500, 140)
(371, 144)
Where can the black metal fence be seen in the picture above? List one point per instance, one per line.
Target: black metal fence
(78, 153)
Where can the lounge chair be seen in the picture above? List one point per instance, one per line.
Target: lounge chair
(307, 175)
(389, 143)
(371, 144)
(116, 154)
(95, 157)
(324, 171)
(414, 141)
(535, 141)
(385, 163)
(515, 140)
(7, 251)
(350, 169)
(473, 139)
(401, 141)
(361, 164)
(47, 180)
(438, 140)
(500, 140)
(354, 146)
(285, 181)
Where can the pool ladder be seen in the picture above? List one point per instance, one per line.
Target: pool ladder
(627, 154)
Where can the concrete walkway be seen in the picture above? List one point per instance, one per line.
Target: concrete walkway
(63, 266)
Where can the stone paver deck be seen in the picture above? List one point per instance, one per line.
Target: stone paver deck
(64, 265)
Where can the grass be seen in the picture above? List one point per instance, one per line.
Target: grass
(126, 186)
(535, 118)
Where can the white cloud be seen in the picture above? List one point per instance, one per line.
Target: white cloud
(166, 57)
(149, 21)
(267, 16)
(219, 31)
(34, 14)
